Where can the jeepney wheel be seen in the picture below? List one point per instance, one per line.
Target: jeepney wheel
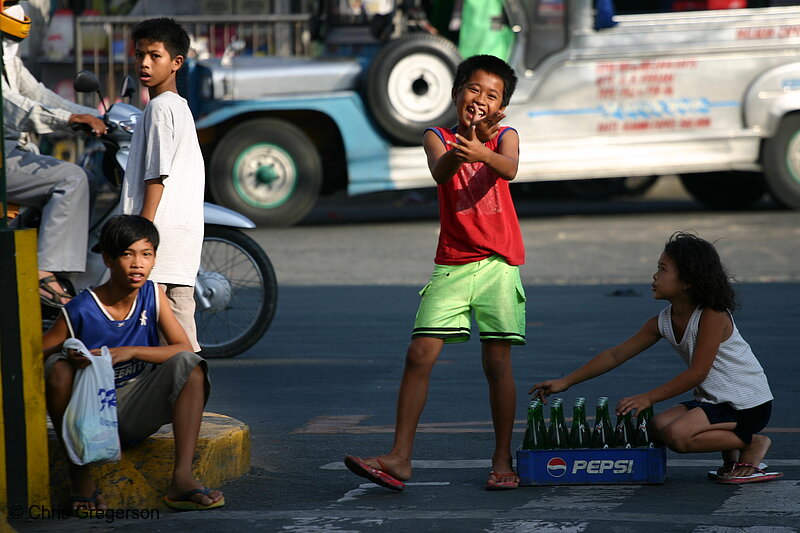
(725, 191)
(409, 86)
(268, 170)
(781, 161)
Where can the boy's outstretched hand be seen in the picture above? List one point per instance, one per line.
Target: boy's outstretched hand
(486, 128)
(468, 148)
(546, 388)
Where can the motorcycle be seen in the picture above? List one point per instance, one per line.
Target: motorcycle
(235, 290)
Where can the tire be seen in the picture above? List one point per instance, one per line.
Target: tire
(409, 86)
(268, 170)
(594, 189)
(638, 185)
(240, 285)
(782, 162)
(725, 191)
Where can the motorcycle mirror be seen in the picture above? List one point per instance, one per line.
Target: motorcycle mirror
(128, 87)
(86, 82)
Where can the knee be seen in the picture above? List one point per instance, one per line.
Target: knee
(60, 377)
(676, 438)
(421, 355)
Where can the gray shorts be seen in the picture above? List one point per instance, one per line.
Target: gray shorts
(181, 301)
(145, 403)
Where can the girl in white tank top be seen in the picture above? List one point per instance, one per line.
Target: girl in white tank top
(732, 399)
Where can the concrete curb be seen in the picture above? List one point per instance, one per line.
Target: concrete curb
(140, 480)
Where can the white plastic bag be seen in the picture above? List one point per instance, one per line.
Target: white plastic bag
(90, 421)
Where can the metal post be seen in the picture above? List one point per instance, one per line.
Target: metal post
(24, 464)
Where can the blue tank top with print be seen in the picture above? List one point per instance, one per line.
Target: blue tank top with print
(89, 321)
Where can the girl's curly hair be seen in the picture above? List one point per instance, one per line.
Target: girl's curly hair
(699, 265)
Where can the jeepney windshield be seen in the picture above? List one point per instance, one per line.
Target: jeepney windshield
(548, 30)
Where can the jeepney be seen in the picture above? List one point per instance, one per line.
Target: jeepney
(713, 96)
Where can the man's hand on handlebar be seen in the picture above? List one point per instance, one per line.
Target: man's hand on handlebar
(95, 124)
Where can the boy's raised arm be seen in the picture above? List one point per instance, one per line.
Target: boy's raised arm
(442, 163)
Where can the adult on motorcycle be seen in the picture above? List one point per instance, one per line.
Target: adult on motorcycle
(60, 189)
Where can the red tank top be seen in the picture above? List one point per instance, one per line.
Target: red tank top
(476, 213)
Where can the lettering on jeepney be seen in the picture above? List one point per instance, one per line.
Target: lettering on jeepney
(628, 80)
(781, 32)
(646, 115)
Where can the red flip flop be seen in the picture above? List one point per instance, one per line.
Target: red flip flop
(378, 476)
(759, 476)
(493, 484)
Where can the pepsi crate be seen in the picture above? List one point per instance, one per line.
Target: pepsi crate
(592, 466)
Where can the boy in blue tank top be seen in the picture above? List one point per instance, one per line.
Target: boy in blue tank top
(155, 384)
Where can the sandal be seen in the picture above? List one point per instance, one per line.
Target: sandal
(81, 510)
(55, 298)
(759, 475)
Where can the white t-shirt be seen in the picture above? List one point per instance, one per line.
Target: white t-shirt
(735, 377)
(165, 144)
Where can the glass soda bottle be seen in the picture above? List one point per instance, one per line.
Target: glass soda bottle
(600, 433)
(557, 436)
(579, 434)
(642, 437)
(534, 433)
(622, 433)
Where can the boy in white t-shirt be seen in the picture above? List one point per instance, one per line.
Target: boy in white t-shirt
(165, 178)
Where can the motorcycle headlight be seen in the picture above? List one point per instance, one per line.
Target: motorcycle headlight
(128, 125)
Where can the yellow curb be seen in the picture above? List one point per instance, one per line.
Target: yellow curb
(141, 478)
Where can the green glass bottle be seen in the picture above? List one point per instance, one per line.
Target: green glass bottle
(534, 436)
(600, 437)
(579, 434)
(622, 433)
(557, 436)
(540, 428)
(642, 437)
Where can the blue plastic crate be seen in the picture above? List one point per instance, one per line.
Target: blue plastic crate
(592, 466)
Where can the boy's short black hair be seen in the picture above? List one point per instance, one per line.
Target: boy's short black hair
(120, 231)
(163, 30)
(492, 65)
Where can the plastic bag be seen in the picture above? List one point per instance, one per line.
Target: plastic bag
(90, 420)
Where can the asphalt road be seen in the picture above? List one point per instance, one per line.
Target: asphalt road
(322, 382)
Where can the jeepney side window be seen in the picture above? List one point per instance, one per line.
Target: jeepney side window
(548, 30)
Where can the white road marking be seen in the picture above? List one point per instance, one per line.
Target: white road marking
(535, 526)
(776, 498)
(353, 495)
(751, 529)
(581, 498)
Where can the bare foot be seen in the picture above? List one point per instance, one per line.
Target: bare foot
(178, 491)
(752, 454)
(85, 495)
(729, 458)
(503, 466)
(397, 468)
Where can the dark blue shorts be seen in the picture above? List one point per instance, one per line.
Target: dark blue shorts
(748, 421)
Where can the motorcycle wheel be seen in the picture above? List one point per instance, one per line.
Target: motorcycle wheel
(239, 283)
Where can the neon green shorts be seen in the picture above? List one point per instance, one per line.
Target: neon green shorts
(491, 288)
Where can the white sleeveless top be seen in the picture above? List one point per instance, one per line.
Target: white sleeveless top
(735, 377)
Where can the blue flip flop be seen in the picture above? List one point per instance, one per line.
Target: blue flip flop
(186, 503)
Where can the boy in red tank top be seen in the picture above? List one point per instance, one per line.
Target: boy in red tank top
(476, 268)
